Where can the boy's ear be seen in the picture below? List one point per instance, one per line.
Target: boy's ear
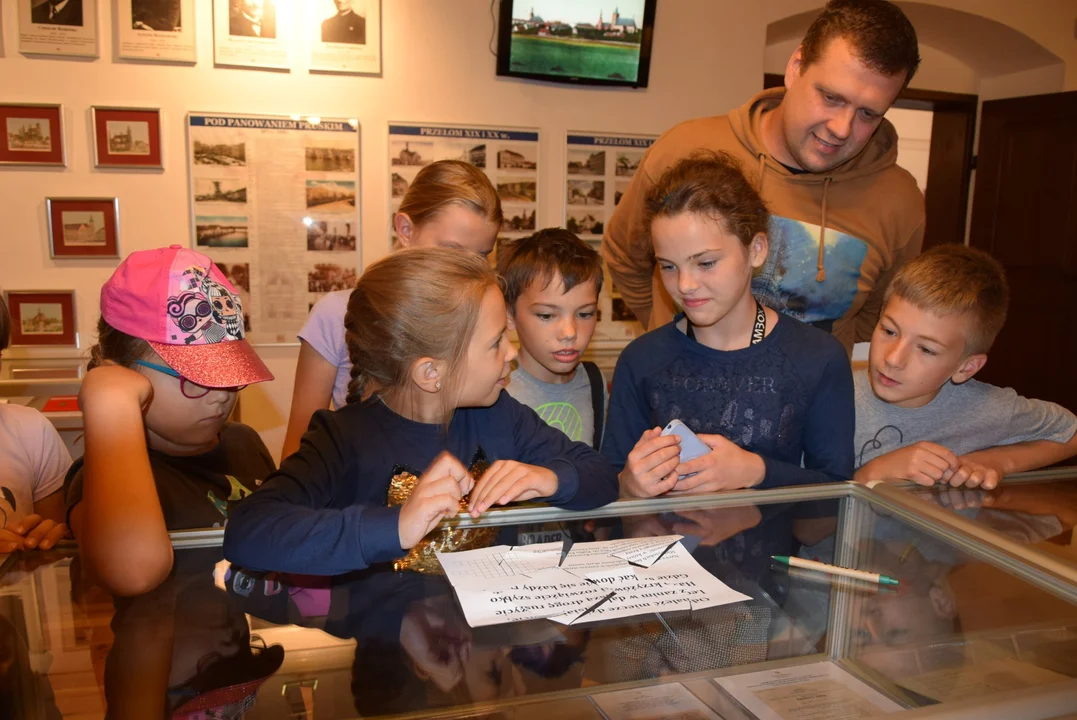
(404, 228)
(428, 373)
(758, 249)
(511, 317)
(969, 367)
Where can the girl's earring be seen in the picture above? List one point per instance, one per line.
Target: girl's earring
(437, 385)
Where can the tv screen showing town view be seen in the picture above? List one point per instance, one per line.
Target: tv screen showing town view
(596, 42)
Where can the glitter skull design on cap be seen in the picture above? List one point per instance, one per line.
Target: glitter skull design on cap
(181, 304)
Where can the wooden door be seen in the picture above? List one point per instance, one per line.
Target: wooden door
(1024, 213)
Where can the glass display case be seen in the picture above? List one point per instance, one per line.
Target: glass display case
(983, 623)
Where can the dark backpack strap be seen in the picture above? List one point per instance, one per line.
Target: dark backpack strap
(594, 376)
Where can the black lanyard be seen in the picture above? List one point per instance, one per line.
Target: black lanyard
(759, 330)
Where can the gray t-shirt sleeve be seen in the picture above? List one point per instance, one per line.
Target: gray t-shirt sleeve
(1032, 419)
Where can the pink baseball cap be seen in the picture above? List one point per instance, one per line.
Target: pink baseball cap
(179, 302)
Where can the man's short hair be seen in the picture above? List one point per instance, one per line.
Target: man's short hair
(878, 31)
(541, 257)
(5, 325)
(954, 279)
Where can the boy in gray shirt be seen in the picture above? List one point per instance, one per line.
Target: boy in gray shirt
(919, 414)
(551, 281)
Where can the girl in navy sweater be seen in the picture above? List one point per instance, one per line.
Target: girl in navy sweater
(770, 396)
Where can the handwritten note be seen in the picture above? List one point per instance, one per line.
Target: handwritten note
(596, 581)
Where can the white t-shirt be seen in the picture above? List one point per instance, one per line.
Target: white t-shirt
(324, 331)
(33, 461)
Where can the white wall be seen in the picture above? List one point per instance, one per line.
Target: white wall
(708, 57)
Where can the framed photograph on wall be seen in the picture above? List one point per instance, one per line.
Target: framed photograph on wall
(33, 135)
(58, 27)
(127, 137)
(345, 36)
(83, 227)
(251, 33)
(42, 317)
(156, 30)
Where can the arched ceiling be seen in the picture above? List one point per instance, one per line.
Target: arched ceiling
(988, 47)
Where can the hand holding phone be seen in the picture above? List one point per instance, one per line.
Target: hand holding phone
(691, 446)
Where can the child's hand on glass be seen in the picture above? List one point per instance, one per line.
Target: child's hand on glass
(508, 480)
(30, 533)
(436, 494)
(726, 467)
(650, 467)
(925, 463)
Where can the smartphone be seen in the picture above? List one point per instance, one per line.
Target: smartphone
(691, 446)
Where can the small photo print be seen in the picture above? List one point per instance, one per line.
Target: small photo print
(86, 229)
(400, 185)
(331, 235)
(252, 18)
(239, 274)
(476, 155)
(344, 21)
(331, 195)
(620, 311)
(128, 137)
(328, 159)
(582, 222)
(221, 231)
(41, 318)
(620, 187)
(410, 152)
(518, 219)
(585, 162)
(627, 162)
(586, 192)
(56, 12)
(28, 135)
(158, 15)
(330, 278)
(225, 190)
(520, 157)
(521, 191)
(229, 154)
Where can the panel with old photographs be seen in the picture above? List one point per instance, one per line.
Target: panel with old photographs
(252, 34)
(156, 30)
(58, 27)
(127, 137)
(33, 135)
(274, 202)
(598, 170)
(345, 36)
(508, 156)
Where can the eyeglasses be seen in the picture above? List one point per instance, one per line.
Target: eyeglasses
(189, 388)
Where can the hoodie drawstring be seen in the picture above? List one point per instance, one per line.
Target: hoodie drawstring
(821, 275)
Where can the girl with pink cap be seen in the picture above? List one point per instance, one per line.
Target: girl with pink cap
(160, 453)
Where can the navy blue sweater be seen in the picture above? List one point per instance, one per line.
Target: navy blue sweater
(788, 397)
(324, 512)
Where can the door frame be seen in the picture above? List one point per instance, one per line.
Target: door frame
(950, 162)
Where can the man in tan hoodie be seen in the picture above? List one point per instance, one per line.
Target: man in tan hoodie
(845, 216)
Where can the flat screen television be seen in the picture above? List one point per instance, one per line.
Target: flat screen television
(589, 42)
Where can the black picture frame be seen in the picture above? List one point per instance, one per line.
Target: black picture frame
(504, 44)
